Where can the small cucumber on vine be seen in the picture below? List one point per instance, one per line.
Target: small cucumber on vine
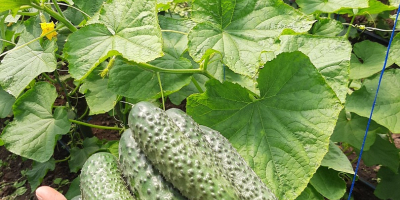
(233, 166)
(140, 175)
(101, 179)
(172, 153)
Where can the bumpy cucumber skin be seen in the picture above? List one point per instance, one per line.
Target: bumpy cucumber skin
(233, 166)
(139, 173)
(192, 131)
(238, 171)
(175, 157)
(101, 179)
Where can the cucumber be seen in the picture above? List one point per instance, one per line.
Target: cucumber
(101, 179)
(172, 153)
(233, 166)
(238, 171)
(140, 174)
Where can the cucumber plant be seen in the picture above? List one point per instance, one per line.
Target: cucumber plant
(280, 81)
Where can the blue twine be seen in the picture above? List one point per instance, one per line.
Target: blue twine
(373, 105)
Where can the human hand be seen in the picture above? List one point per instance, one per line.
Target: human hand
(48, 193)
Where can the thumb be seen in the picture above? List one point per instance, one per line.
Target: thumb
(48, 193)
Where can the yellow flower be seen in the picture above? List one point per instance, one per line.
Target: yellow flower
(47, 27)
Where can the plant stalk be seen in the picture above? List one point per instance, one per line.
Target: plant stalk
(95, 126)
(56, 16)
(350, 26)
(171, 71)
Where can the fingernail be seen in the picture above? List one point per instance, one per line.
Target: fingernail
(39, 198)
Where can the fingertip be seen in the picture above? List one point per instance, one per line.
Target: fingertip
(48, 193)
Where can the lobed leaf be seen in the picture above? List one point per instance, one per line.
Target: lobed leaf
(38, 172)
(124, 27)
(242, 30)
(284, 135)
(35, 129)
(387, 111)
(19, 67)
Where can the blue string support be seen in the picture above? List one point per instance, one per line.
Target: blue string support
(373, 105)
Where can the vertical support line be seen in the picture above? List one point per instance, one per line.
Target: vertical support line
(373, 105)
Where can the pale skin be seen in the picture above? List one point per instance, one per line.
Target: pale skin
(48, 193)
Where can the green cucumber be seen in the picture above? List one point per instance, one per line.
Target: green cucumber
(238, 171)
(101, 179)
(233, 166)
(140, 174)
(172, 153)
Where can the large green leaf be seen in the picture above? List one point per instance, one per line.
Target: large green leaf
(34, 130)
(352, 130)
(141, 84)
(284, 135)
(12, 4)
(242, 30)
(382, 152)
(6, 102)
(38, 172)
(329, 6)
(388, 188)
(337, 160)
(387, 109)
(310, 194)
(328, 183)
(131, 31)
(20, 66)
(99, 98)
(331, 56)
(372, 55)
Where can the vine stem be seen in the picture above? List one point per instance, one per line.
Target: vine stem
(56, 16)
(95, 126)
(350, 26)
(161, 89)
(171, 71)
(58, 8)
